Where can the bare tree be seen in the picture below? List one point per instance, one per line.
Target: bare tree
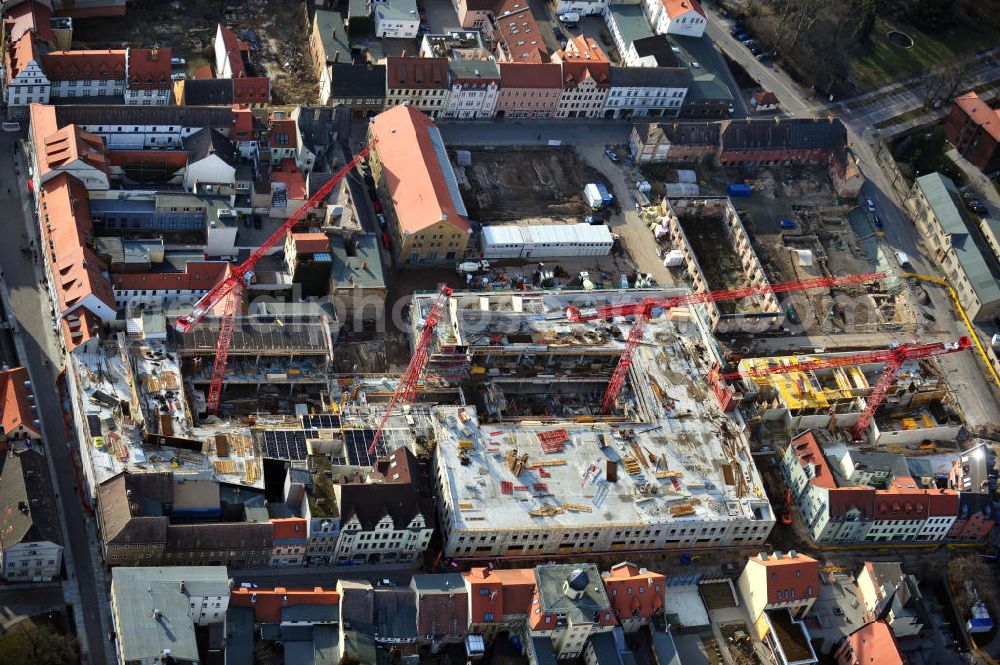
(38, 644)
(972, 567)
(943, 83)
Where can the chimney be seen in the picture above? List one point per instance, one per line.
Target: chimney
(154, 54)
(157, 614)
(792, 554)
(336, 56)
(778, 555)
(763, 556)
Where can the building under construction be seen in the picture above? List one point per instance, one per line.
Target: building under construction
(534, 469)
(717, 254)
(915, 408)
(272, 359)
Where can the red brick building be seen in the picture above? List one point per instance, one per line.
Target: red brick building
(974, 129)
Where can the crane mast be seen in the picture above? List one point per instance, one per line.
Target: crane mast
(229, 291)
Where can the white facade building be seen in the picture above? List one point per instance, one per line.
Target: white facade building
(30, 540)
(25, 82)
(676, 17)
(398, 19)
(581, 7)
(645, 92)
(474, 88)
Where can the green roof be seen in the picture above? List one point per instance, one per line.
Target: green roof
(977, 261)
(333, 35)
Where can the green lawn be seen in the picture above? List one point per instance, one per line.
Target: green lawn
(882, 62)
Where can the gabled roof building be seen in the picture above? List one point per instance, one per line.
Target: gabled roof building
(30, 535)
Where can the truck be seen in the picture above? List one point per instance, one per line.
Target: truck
(739, 189)
(472, 267)
(597, 195)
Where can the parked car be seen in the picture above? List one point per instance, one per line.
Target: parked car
(381, 219)
(569, 18)
(741, 36)
(787, 224)
(755, 50)
(736, 29)
(178, 61)
(559, 34)
(877, 221)
(611, 154)
(870, 205)
(749, 42)
(387, 240)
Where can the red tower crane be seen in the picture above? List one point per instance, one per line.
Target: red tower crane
(231, 288)
(407, 388)
(893, 359)
(642, 309)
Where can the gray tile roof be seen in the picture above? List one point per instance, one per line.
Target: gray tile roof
(648, 77)
(239, 635)
(219, 117)
(141, 592)
(979, 264)
(788, 134)
(207, 142)
(333, 35)
(631, 21)
(658, 46)
(347, 80)
(473, 69)
(208, 92)
(396, 10)
(28, 511)
(553, 599)
(357, 263)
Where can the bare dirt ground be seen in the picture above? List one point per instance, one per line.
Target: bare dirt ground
(527, 184)
(276, 30)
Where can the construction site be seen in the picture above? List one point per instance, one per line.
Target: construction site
(275, 31)
(782, 223)
(523, 184)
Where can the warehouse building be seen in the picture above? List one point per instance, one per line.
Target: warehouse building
(546, 241)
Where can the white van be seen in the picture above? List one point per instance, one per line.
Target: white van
(903, 259)
(569, 18)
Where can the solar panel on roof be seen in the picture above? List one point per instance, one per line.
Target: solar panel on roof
(322, 421)
(286, 444)
(356, 444)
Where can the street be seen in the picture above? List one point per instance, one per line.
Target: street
(85, 590)
(975, 393)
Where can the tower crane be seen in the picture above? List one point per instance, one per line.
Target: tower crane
(893, 359)
(642, 309)
(229, 291)
(407, 388)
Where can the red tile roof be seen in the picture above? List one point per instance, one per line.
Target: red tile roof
(634, 593)
(293, 179)
(268, 603)
(808, 452)
(283, 134)
(79, 327)
(197, 276)
(288, 527)
(678, 8)
(149, 68)
(416, 73)
(252, 90)
(530, 75)
(68, 145)
(873, 644)
(19, 55)
(798, 573)
(15, 401)
(518, 30)
(203, 72)
(506, 592)
(310, 243)
(414, 178)
(581, 59)
(765, 98)
(27, 16)
(232, 46)
(980, 112)
(108, 65)
(78, 272)
(242, 123)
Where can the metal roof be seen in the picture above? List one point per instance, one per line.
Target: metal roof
(980, 266)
